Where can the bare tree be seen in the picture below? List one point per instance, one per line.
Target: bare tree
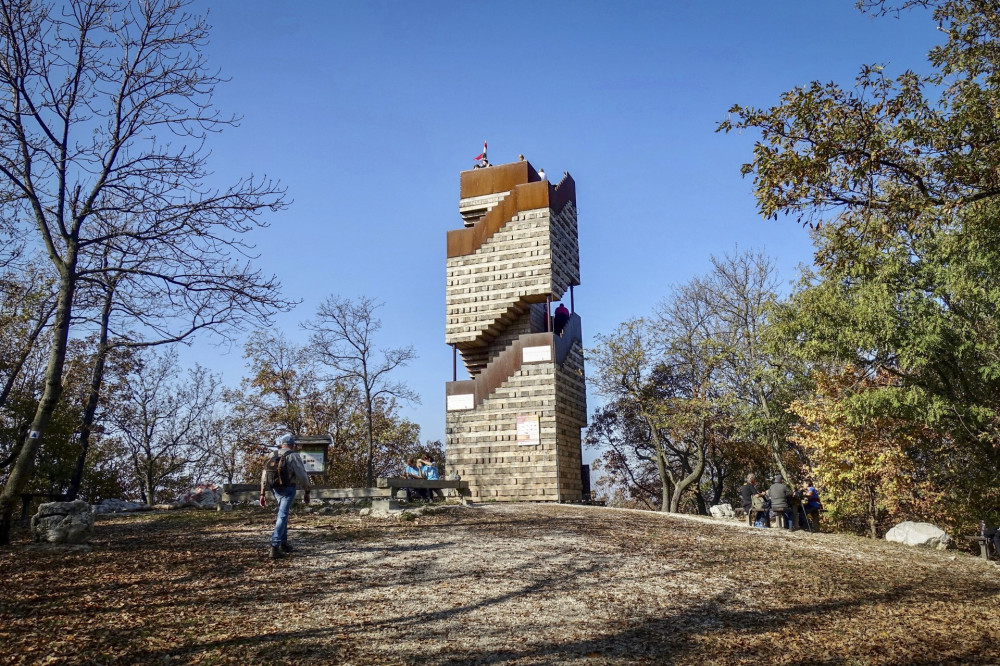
(762, 378)
(343, 338)
(165, 425)
(139, 297)
(105, 106)
(230, 440)
(662, 375)
(628, 461)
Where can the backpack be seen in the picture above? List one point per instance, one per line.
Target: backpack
(279, 473)
(758, 503)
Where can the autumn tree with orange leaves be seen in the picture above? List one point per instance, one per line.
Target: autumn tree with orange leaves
(872, 469)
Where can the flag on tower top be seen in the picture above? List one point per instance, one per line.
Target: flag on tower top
(483, 155)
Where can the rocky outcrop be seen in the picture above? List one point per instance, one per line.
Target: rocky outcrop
(120, 506)
(924, 535)
(723, 511)
(62, 522)
(203, 496)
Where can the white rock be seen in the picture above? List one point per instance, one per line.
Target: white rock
(919, 534)
(722, 511)
(62, 522)
(119, 506)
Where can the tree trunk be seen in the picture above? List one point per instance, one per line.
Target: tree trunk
(96, 381)
(24, 467)
(699, 467)
(150, 490)
(776, 452)
(661, 466)
(699, 500)
(15, 369)
(664, 484)
(370, 468)
(872, 514)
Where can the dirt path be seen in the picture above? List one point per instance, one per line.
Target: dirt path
(514, 584)
(530, 584)
(493, 584)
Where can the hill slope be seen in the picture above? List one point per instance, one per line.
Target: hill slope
(510, 584)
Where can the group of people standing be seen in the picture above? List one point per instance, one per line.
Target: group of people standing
(792, 508)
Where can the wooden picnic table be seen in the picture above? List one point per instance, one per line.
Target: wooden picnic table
(984, 545)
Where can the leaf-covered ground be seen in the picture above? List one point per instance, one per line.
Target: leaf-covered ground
(491, 584)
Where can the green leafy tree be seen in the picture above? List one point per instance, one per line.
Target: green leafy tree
(901, 176)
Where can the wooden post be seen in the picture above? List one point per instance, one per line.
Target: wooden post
(572, 305)
(548, 313)
(454, 363)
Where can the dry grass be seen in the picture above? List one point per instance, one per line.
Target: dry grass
(492, 584)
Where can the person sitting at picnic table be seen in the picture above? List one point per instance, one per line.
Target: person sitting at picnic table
(811, 504)
(429, 470)
(747, 494)
(413, 472)
(781, 498)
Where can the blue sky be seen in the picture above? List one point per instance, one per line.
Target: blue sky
(368, 111)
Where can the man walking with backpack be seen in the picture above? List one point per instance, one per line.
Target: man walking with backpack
(283, 472)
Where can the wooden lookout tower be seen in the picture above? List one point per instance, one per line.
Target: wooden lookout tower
(513, 428)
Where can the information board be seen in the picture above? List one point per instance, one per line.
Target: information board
(314, 460)
(527, 430)
(539, 354)
(461, 401)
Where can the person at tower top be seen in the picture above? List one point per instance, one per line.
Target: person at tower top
(483, 162)
(560, 320)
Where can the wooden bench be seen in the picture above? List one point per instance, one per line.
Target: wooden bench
(394, 484)
(984, 545)
(250, 492)
(386, 488)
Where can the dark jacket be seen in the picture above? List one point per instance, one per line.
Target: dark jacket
(746, 495)
(779, 494)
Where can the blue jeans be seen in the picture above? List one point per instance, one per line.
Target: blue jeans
(285, 497)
